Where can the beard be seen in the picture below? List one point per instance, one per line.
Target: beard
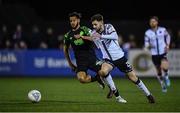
(153, 26)
(98, 30)
(75, 27)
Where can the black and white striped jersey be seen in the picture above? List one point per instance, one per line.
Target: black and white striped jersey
(108, 43)
(157, 40)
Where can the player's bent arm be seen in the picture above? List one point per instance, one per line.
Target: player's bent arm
(167, 38)
(66, 53)
(112, 36)
(146, 43)
(146, 46)
(83, 37)
(87, 38)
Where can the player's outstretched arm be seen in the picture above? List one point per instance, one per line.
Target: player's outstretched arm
(66, 53)
(147, 44)
(111, 36)
(83, 37)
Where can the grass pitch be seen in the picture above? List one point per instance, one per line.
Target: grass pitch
(68, 95)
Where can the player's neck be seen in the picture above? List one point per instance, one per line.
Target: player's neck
(102, 29)
(155, 28)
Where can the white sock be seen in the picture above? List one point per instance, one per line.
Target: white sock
(143, 88)
(166, 75)
(160, 79)
(109, 81)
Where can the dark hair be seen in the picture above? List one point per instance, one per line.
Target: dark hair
(155, 18)
(97, 17)
(76, 14)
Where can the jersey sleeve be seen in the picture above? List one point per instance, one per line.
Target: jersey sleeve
(110, 33)
(146, 41)
(110, 29)
(167, 37)
(86, 31)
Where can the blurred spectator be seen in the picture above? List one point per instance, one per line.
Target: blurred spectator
(120, 39)
(172, 44)
(19, 38)
(35, 38)
(43, 45)
(132, 41)
(1, 40)
(51, 39)
(177, 39)
(60, 41)
(128, 44)
(126, 47)
(5, 38)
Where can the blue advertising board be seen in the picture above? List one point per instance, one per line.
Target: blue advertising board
(38, 63)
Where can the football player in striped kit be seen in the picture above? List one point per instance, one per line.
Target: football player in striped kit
(106, 39)
(157, 39)
(85, 56)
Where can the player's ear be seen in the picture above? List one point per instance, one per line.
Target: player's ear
(78, 20)
(102, 22)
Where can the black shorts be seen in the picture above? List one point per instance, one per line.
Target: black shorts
(156, 59)
(122, 64)
(86, 63)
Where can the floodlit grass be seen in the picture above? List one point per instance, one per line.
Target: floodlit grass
(67, 94)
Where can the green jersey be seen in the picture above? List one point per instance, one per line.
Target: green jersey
(80, 46)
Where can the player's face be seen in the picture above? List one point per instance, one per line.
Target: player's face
(74, 21)
(153, 23)
(97, 25)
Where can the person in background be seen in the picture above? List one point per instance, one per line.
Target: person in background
(157, 40)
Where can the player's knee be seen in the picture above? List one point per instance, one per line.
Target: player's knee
(103, 73)
(132, 76)
(158, 69)
(164, 65)
(81, 77)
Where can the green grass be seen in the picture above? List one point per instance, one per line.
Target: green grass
(67, 94)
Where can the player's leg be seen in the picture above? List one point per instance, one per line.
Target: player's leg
(104, 73)
(124, 66)
(160, 78)
(82, 75)
(103, 70)
(139, 83)
(157, 63)
(165, 67)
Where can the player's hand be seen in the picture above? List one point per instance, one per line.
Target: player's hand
(151, 46)
(77, 36)
(96, 35)
(166, 49)
(145, 49)
(73, 67)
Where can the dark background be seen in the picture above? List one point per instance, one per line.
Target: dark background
(111, 9)
(129, 17)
